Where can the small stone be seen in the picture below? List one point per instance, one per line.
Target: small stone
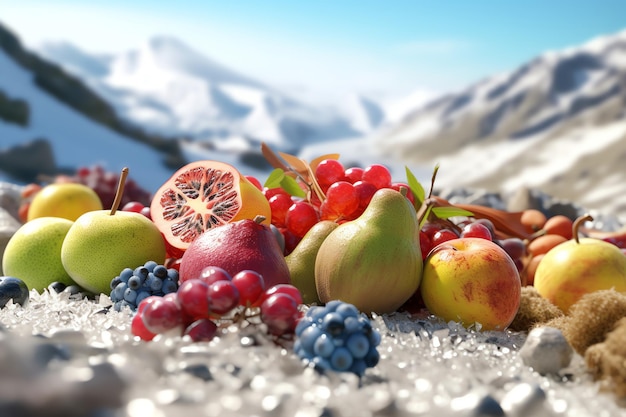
(546, 350)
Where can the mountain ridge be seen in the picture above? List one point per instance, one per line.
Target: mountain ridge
(557, 122)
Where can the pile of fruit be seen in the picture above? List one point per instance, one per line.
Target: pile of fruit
(306, 257)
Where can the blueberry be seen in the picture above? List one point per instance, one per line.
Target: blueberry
(160, 271)
(115, 281)
(169, 286)
(332, 323)
(135, 282)
(173, 274)
(57, 287)
(130, 295)
(308, 337)
(15, 289)
(323, 346)
(126, 274)
(358, 344)
(347, 310)
(150, 265)
(141, 271)
(156, 284)
(341, 359)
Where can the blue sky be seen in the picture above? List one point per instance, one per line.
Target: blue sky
(323, 49)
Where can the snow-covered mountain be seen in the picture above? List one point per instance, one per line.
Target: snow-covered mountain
(169, 88)
(39, 103)
(557, 123)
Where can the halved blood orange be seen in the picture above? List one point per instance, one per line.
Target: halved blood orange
(203, 195)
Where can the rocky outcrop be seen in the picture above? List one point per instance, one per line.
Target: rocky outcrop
(25, 162)
(14, 110)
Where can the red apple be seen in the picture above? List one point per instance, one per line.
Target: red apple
(471, 280)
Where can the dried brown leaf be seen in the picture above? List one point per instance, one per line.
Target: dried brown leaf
(272, 158)
(297, 164)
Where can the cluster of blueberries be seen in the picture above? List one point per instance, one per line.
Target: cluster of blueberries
(337, 337)
(131, 286)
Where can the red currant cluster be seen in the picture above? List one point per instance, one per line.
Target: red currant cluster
(345, 194)
(201, 305)
(432, 234)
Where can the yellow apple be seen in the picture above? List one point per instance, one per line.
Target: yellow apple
(574, 268)
(471, 280)
(66, 200)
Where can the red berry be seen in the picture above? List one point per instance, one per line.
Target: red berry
(211, 274)
(291, 240)
(378, 175)
(280, 313)
(430, 229)
(490, 226)
(251, 286)
(255, 182)
(342, 198)
(425, 244)
(133, 206)
(138, 328)
(354, 174)
(288, 289)
(301, 216)
(366, 191)
(514, 246)
(329, 171)
(443, 235)
(409, 194)
(223, 296)
(202, 330)
(162, 315)
(477, 230)
(193, 297)
(146, 212)
(271, 192)
(279, 204)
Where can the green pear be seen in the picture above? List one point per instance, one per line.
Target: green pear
(33, 254)
(373, 262)
(301, 261)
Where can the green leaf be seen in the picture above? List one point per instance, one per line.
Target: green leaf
(447, 212)
(290, 185)
(415, 186)
(275, 178)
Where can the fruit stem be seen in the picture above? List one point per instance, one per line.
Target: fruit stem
(404, 191)
(432, 181)
(258, 219)
(577, 223)
(120, 191)
(424, 210)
